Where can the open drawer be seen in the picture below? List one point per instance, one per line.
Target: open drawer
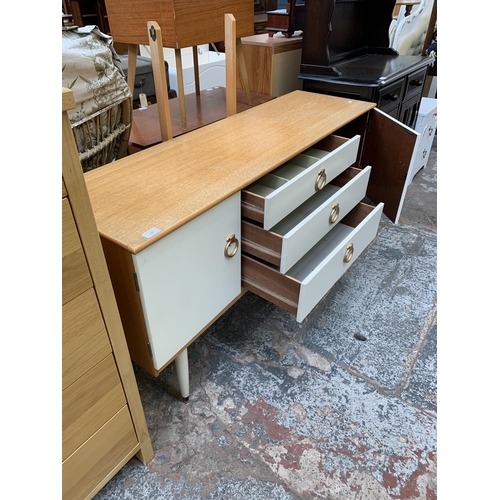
(278, 193)
(289, 240)
(309, 280)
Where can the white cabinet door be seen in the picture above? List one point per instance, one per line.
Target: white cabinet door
(188, 277)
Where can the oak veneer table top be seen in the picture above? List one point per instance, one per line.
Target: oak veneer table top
(201, 110)
(143, 197)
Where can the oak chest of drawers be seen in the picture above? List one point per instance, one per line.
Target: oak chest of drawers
(214, 215)
(103, 422)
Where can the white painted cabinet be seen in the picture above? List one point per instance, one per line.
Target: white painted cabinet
(177, 275)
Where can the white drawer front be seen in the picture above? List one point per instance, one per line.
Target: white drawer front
(319, 271)
(186, 279)
(290, 185)
(305, 284)
(301, 233)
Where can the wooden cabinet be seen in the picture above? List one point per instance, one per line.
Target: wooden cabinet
(302, 219)
(103, 422)
(182, 23)
(273, 64)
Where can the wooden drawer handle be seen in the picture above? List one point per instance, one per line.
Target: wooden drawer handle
(230, 241)
(334, 214)
(349, 252)
(321, 180)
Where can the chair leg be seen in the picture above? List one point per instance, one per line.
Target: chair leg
(230, 48)
(243, 70)
(131, 67)
(182, 370)
(160, 79)
(196, 68)
(180, 86)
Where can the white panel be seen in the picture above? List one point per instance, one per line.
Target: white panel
(212, 69)
(285, 72)
(312, 228)
(327, 265)
(288, 197)
(423, 149)
(185, 280)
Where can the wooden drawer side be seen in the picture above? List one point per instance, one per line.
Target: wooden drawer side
(263, 244)
(252, 206)
(89, 403)
(85, 341)
(270, 284)
(89, 467)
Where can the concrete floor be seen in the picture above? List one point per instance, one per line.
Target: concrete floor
(342, 406)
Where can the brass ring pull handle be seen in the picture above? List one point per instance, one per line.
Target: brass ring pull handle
(230, 241)
(321, 180)
(349, 253)
(334, 214)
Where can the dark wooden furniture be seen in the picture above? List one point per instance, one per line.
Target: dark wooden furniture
(260, 17)
(345, 52)
(89, 12)
(287, 20)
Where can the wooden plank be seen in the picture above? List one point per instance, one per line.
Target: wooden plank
(230, 49)
(87, 470)
(85, 341)
(160, 80)
(75, 272)
(89, 403)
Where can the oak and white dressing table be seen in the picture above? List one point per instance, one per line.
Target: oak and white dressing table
(267, 200)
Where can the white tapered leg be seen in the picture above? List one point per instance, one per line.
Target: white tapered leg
(182, 370)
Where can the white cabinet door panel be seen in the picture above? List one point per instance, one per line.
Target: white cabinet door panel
(185, 279)
(325, 274)
(311, 229)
